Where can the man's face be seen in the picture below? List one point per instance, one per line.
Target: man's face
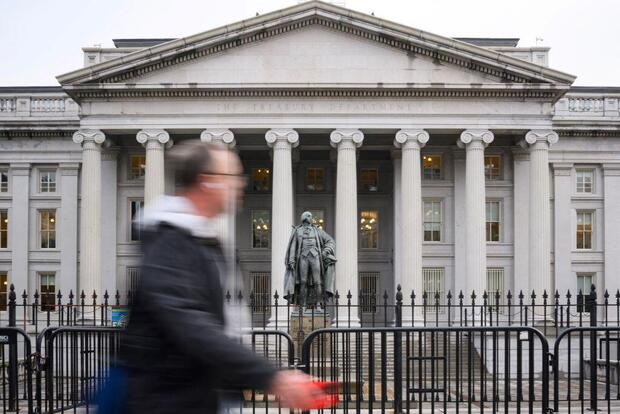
(225, 184)
(306, 217)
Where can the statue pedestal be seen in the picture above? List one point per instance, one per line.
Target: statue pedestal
(306, 321)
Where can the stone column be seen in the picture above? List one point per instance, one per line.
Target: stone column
(154, 178)
(397, 164)
(460, 238)
(611, 191)
(410, 141)
(563, 240)
(68, 227)
(18, 228)
(540, 214)
(347, 141)
(90, 211)
(474, 142)
(522, 220)
(226, 221)
(282, 141)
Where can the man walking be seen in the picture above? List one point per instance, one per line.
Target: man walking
(175, 352)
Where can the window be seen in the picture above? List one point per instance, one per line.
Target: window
(132, 276)
(315, 179)
(318, 218)
(261, 291)
(584, 287)
(260, 229)
(431, 167)
(261, 179)
(432, 221)
(369, 179)
(137, 166)
(4, 229)
(584, 230)
(47, 289)
(4, 288)
(493, 167)
(368, 291)
(47, 229)
(495, 285)
(585, 181)
(493, 221)
(369, 221)
(4, 181)
(433, 285)
(47, 182)
(136, 210)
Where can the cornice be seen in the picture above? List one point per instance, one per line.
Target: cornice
(314, 93)
(596, 133)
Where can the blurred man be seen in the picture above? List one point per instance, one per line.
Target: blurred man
(175, 352)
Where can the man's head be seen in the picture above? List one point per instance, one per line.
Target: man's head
(209, 175)
(306, 217)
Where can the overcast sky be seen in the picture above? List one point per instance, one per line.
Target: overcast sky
(40, 39)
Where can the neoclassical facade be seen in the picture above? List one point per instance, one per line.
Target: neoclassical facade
(438, 164)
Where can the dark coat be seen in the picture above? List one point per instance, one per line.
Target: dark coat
(175, 350)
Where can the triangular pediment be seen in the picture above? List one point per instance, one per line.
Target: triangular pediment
(313, 45)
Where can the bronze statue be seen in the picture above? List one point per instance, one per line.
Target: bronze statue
(310, 265)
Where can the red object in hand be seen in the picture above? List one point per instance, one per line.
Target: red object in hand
(326, 395)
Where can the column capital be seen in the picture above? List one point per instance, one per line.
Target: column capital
(288, 136)
(88, 135)
(407, 137)
(340, 136)
(538, 135)
(562, 169)
(215, 135)
(158, 135)
(484, 136)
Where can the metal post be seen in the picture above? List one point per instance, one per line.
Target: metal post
(398, 354)
(593, 353)
(12, 350)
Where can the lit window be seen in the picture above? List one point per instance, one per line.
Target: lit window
(431, 167)
(4, 229)
(433, 286)
(432, 221)
(260, 229)
(493, 167)
(585, 181)
(315, 179)
(137, 208)
(261, 291)
(4, 288)
(4, 181)
(495, 285)
(369, 179)
(493, 221)
(584, 287)
(369, 232)
(47, 289)
(137, 166)
(318, 218)
(584, 230)
(47, 229)
(261, 178)
(47, 182)
(368, 291)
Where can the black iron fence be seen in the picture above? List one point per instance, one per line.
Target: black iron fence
(526, 355)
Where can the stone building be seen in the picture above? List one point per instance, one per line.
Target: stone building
(437, 163)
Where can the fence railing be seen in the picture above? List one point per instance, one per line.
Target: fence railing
(551, 313)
